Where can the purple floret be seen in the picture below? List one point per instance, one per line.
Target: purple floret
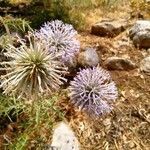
(93, 90)
(61, 39)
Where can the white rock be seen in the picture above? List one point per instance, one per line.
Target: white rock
(140, 33)
(88, 57)
(64, 138)
(145, 65)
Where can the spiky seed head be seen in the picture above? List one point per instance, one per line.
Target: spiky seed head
(61, 39)
(32, 69)
(93, 90)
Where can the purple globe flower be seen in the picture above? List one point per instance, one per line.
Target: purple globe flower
(93, 90)
(61, 39)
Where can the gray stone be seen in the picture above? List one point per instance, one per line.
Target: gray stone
(109, 28)
(140, 34)
(145, 65)
(119, 63)
(142, 39)
(88, 57)
(140, 25)
(64, 138)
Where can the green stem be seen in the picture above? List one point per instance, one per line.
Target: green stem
(6, 28)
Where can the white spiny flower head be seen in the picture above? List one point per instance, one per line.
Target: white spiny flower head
(93, 90)
(61, 39)
(32, 69)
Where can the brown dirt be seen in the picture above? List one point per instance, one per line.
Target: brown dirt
(128, 126)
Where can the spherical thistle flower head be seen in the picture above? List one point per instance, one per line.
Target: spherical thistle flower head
(32, 69)
(93, 91)
(61, 39)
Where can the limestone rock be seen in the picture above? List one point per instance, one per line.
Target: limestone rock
(119, 63)
(140, 34)
(88, 57)
(108, 28)
(145, 65)
(64, 138)
(140, 25)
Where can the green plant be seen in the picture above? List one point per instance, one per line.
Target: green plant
(10, 24)
(41, 16)
(64, 10)
(32, 70)
(60, 10)
(21, 143)
(81, 3)
(34, 121)
(37, 123)
(10, 109)
(110, 2)
(4, 41)
(9, 104)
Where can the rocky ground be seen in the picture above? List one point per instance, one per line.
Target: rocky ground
(114, 46)
(128, 126)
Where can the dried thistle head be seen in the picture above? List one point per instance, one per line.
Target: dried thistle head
(61, 39)
(32, 69)
(93, 90)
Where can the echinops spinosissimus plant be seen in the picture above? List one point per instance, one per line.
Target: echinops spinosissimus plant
(61, 39)
(31, 69)
(93, 91)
